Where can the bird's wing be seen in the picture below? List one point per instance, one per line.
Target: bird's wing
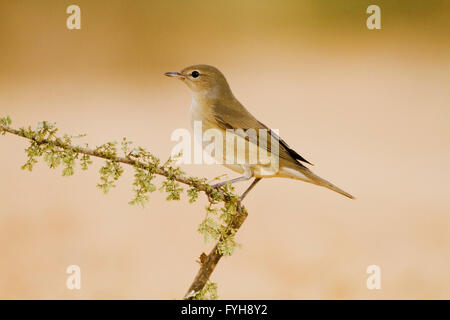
(240, 118)
(291, 151)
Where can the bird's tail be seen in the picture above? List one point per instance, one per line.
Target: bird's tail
(308, 176)
(327, 184)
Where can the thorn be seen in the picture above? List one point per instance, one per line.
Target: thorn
(203, 258)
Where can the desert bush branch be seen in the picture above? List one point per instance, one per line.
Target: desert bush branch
(224, 214)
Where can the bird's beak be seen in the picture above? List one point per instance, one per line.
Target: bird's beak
(175, 75)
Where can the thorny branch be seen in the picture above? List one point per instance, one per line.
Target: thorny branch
(201, 287)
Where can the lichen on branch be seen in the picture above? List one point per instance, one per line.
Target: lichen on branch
(224, 215)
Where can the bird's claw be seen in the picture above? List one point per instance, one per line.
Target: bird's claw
(218, 185)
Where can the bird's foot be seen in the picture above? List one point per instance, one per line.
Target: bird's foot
(219, 184)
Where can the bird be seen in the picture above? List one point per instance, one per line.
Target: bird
(216, 107)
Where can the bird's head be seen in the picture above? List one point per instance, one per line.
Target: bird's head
(203, 80)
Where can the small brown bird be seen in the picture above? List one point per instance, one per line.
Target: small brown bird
(215, 106)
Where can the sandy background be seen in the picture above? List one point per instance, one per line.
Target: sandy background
(369, 108)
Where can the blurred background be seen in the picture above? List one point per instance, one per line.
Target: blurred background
(370, 108)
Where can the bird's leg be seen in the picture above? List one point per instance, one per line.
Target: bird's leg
(239, 208)
(248, 174)
(220, 184)
(250, 188)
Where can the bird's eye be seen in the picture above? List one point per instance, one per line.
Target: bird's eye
(195, 74)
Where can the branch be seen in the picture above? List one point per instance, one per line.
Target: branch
(45, 143)
(91, 152)
(209, 262)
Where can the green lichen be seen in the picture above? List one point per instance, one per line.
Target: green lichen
(221, 212)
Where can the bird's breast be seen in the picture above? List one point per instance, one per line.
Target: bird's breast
(197, 112)
(201, 111)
